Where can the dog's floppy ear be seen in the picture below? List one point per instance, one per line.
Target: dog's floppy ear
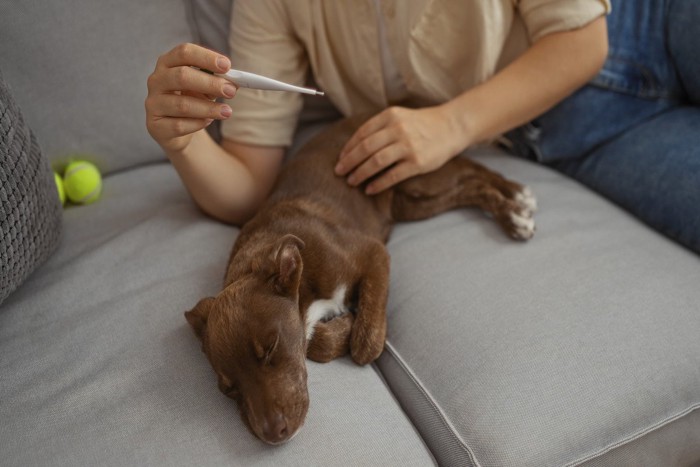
(197, 316)
(288, 264)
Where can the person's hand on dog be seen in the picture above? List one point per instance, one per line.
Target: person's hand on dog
(180, 98)
(401, 142)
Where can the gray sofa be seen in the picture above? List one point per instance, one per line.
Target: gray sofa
(580, 347)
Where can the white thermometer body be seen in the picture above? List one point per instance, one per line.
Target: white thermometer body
(245, 79)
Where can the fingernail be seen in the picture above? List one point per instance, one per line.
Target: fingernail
(352, 180)
(369, 190)
(226, 111)
(229, 90)
(222, 63)
(208, 121)
(339, 169)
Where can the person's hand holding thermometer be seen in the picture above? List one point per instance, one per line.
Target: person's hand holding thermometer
(182, 93)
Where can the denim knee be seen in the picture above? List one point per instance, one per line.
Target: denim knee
(653, 171)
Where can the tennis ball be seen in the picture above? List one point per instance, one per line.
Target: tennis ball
(82, 182)
(59, 186)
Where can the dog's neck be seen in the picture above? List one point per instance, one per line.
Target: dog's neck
(253, 246)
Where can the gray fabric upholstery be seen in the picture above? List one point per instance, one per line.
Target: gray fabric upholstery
(99, 366)
(30, 211)
(675, 444)
(551, 352)
(79, 71)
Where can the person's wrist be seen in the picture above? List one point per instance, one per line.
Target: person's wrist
(173, 153)
(180, 151)
(460, 123)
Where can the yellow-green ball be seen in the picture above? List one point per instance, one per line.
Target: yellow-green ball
(59, 186)
(82, 182)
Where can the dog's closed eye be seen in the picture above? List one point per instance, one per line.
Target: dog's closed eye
(264, 352)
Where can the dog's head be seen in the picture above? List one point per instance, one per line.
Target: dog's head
(254, 336)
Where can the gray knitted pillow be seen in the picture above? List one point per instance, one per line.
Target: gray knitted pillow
(30, 211)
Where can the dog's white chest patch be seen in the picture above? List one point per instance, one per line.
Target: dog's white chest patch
(325, 308)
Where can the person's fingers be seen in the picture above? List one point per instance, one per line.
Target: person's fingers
(172, 105)
(195, 55)
(371, 126)
(185, 78)
(363, 150)
(391, 177)
(199, 95)
(376, 163)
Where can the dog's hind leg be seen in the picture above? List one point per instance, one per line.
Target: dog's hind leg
(460, 183)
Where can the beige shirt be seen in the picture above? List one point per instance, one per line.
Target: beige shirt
(441, 48)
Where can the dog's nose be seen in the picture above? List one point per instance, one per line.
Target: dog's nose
(275, 428)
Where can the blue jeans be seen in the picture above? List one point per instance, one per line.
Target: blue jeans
(633, 133)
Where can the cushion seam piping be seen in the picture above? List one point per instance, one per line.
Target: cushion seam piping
(441, 416)
(635, 436)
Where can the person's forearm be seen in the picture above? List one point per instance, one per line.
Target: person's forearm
(400, 143)
(550, 70)
(220, 184)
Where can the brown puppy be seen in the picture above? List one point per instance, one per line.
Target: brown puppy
(314, 250)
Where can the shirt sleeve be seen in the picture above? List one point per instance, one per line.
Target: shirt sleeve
(262, 41)
(544, 17)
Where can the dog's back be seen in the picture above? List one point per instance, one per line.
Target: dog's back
(308, 179)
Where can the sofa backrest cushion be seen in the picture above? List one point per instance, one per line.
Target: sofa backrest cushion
(78, 69)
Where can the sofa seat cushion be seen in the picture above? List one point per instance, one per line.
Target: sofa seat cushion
(557, 351)
(99, 366)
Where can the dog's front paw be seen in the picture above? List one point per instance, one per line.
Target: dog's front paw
(367, 340)
(331, 339)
